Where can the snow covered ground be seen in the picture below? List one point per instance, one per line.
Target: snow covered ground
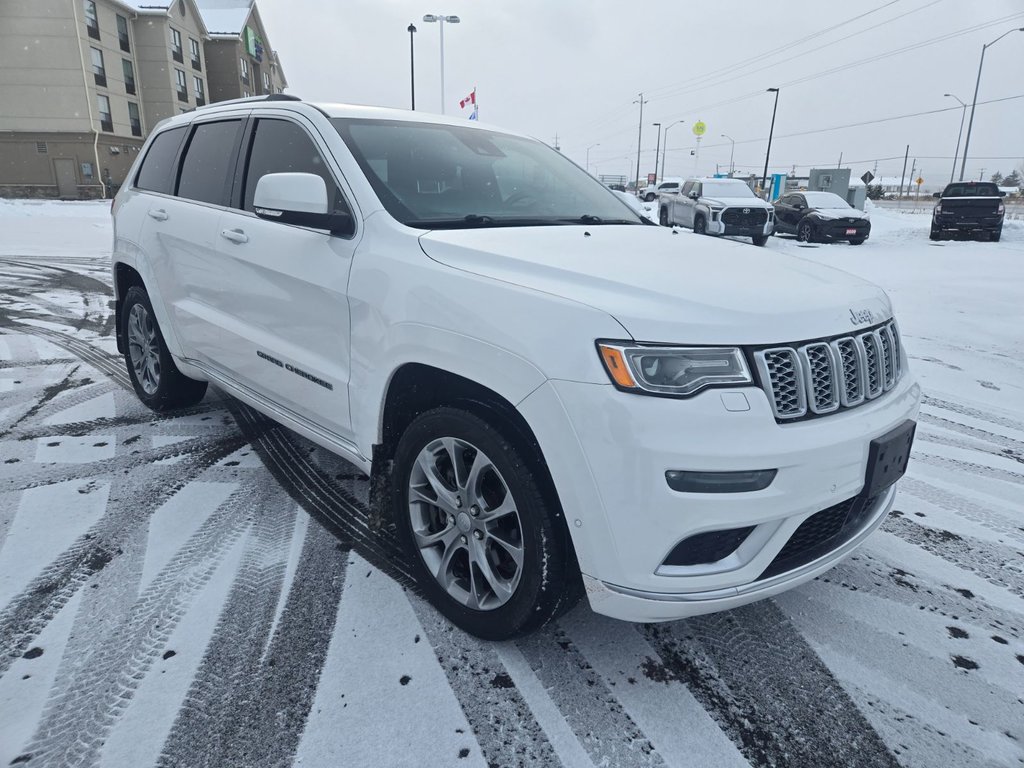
(204, 588)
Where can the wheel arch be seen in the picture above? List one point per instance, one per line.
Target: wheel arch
(125, 276)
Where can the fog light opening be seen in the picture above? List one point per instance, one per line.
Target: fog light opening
(686, 481)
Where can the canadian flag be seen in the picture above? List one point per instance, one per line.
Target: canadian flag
(471, 99)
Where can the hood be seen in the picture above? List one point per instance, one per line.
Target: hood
(737, 202)
(669, 287)
(840, 213)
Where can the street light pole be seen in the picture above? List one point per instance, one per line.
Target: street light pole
(771, 132)
(732, 153)
(588, 154)
(677, 122)
(657, 152)
(441, 19)
(639, 136)
(970, 123)
(963, 116)
(412, 64)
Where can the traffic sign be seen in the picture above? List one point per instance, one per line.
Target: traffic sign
(868, 177)
(699, 128)
(919, 181)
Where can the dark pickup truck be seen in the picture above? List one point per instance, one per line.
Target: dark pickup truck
(968, 208)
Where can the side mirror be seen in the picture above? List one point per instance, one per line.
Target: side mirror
(299, 199)
(1002, 194)
(694, 195)
(937, 194)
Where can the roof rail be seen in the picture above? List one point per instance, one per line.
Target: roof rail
(251, 99)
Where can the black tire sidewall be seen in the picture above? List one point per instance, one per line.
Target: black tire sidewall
(801, 227)
(703, 230)
(544, 536)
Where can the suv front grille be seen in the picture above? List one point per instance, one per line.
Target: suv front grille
(744, 217)
(823, 376)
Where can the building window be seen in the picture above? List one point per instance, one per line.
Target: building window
(182, 88)
(106, 119)
(129, 76)
(176, 52)
(134, 119)
(200, 91)
(99, 72)
(246, 94)
(266, 83)
(122, 33)
(245, 70)
(92, 23)
(197, 62)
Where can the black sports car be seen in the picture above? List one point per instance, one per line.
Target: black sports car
(820, 217)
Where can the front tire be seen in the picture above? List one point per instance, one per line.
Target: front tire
(805, 232)
(649, 198)
(858, 241)
(700, 225)
(759, 240)
(486, 545)
(154, 376)
(663, 217)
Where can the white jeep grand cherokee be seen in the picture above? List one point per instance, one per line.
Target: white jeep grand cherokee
(560, 396)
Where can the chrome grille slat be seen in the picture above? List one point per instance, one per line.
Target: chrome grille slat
(820, 377)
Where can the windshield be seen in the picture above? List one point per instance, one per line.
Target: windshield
(726, 188)
(434, 176)
(825, 200)
(971, 190)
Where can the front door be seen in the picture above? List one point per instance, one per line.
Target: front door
(288, 331)
(67, 178)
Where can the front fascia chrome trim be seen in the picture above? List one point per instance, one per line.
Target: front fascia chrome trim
(801, 387)
(753, 587)
(862, 385)
(278, 411)
(808, 374)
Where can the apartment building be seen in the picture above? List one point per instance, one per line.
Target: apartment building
(241, 60)
(83, 82)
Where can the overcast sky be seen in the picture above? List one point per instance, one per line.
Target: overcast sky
(574, 68)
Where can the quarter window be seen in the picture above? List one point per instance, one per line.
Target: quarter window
(279, 146)
(208, 159)
(157, 172)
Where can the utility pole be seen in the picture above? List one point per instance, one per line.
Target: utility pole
(441, 19)
(767, 154)
(903, 176)
(657, 152)
(840, 165)
(412, 64)
(639, 136)
(981, 176)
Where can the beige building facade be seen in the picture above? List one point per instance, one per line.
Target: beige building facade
(84, 81)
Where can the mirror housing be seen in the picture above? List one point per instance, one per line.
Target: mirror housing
(299, 199)
(937, 195)
(694, 195)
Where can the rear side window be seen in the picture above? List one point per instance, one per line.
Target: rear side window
(280, 146)
(157, 172)
(208, 162)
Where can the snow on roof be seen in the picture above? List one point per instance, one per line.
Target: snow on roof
(144, 6)
(225, 17)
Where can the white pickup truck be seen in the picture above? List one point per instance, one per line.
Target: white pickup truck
(718, 207)
(556, 396)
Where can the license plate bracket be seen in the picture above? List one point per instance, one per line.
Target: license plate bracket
(851, 231)
(887, 459)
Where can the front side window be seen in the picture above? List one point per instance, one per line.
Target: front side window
(134, 118)
(279, 146)
(129, 76)
(99, 72)
(439, 176)
(92, 23)
(157, 172)
(210, 153)
(106, 119)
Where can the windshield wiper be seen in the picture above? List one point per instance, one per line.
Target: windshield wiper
(475, 220)
(588, 218)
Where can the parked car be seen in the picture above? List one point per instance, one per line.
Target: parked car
(821, 217)
(447, 306)
(651, 191)
(969, 207)
(718, 207)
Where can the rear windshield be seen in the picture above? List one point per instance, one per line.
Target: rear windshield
(971, 190)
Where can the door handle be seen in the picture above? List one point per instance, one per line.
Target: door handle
(234, 235)
(159, 214)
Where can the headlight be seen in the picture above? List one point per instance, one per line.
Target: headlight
(938, 209)
(679, 371)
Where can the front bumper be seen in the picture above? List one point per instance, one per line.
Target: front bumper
(717, 227)
(608, 452)
(834, 230)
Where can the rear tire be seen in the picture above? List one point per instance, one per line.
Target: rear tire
(156, 379)
(649, 198)
(934, 234)
(994, 236)
(700, 225)
(465, 501)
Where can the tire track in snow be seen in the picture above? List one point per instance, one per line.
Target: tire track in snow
(1017, 446)
(767, 689)
(970, 445)
(966, 508)
(78, 719)
(974, 413)
(969, 468)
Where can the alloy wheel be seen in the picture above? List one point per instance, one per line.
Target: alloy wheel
(465, 523)
(144, 348)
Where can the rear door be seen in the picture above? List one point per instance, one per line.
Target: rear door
(285, 329)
